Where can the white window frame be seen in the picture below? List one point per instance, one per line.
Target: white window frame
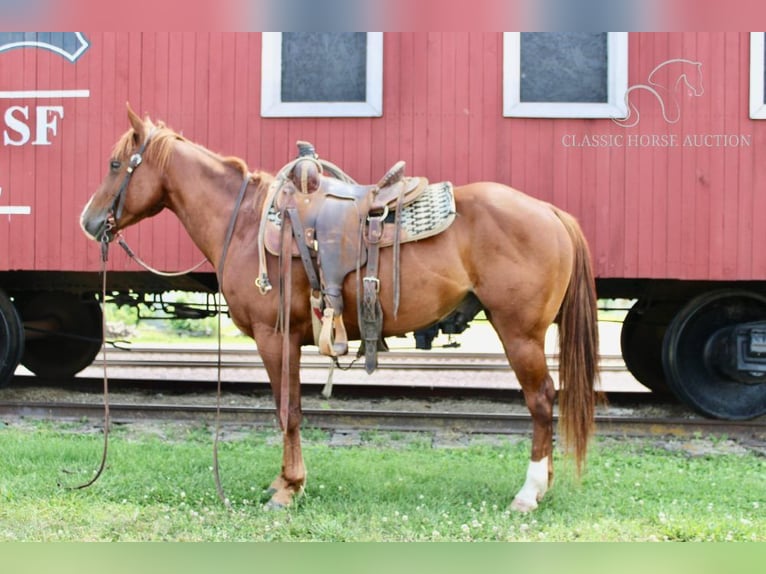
(617, 84)
(272, 105)
(757, 105)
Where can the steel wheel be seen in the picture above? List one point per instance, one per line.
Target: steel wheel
(693, 379)
(643, 332)
(11, 339)
(64, 334)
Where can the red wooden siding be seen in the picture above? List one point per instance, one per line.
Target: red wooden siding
(680, 212)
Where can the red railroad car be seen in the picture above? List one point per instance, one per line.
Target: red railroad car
(655, 141)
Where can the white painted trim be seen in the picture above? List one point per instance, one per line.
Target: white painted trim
(15, 210)
(21, 94)
(272, 105)
(71, 56)
(757, 105)
(617, 84)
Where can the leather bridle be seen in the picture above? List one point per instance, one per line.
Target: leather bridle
(118, 204)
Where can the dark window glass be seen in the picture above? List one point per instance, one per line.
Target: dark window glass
(324, 66)
(564, 67)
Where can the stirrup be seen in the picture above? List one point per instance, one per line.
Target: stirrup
(333, 339)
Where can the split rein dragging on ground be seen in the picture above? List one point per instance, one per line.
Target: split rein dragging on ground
(114, 214)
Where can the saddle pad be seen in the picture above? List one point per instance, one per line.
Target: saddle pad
(428, 215)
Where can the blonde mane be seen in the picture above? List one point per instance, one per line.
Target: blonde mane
(160, 148)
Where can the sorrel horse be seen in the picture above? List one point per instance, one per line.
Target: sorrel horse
(525, 260)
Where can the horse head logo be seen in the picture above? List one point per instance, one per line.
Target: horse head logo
(69, 45)
(665, 83)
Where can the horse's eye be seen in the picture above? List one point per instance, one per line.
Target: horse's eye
(115, 165)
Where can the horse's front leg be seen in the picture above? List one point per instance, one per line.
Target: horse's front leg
(292, 478)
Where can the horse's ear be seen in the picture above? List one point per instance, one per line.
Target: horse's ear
(136, 122)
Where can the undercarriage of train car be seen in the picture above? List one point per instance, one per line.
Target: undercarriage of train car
(703, 343)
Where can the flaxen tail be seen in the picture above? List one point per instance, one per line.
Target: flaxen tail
(578, 345)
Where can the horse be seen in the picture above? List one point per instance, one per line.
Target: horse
(526, 261)
(678, 70)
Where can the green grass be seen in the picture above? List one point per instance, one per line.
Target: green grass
(159, 486)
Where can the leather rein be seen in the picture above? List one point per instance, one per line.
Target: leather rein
(113, 215)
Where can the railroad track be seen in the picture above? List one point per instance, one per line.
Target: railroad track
(433, 369)
(405, 414)
(151, 357)
(407, 393)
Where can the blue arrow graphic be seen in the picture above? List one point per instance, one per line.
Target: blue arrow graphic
(70, 45)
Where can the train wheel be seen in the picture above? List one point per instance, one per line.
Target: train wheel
(63, 334)
(643, 332)
(11, 339)
(690, 365)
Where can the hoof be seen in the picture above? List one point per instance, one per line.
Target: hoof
(267, 494)
(274, 506)
(521, 505)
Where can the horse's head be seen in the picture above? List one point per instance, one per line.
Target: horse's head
(692, 77)
(132, 188)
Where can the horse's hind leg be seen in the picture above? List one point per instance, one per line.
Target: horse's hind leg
(527, 357)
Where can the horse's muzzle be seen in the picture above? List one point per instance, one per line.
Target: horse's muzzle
(99, 229)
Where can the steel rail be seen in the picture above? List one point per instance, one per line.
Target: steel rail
(382, 419)
(426, 361)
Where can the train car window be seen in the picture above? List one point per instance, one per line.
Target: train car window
(757, 76)
(565, 74)
(322, 74)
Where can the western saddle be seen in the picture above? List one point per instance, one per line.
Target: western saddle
(336, 226)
